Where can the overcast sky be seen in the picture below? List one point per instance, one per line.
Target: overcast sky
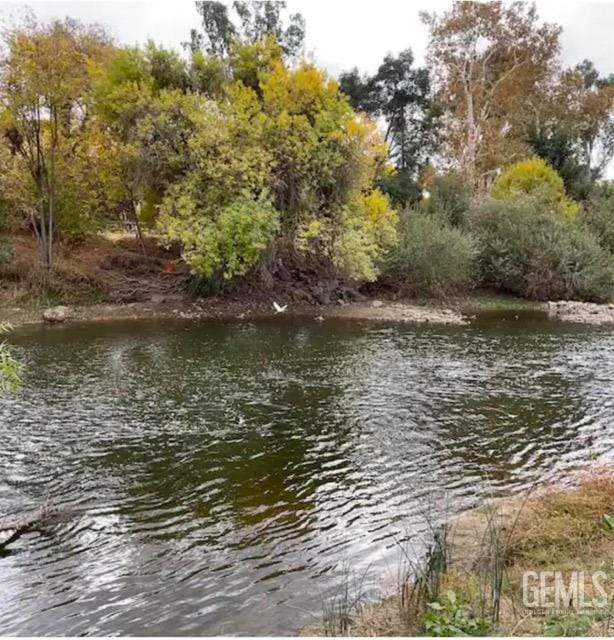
(340, 33)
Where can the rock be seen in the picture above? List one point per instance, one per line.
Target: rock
(300, 295)
(321, 295)
(377, 304)
(351, 295)
(57, 314)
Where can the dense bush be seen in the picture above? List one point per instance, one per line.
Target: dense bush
(532, 177)
(598, 214)
(433, 258)
(449, 196)
(527, 250)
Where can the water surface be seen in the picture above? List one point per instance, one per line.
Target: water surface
(220, 475)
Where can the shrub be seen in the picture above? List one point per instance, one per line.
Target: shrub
(451, 617)
(229, 241)
(527, 250)
(6, 251)
(535, 177)
(450, 196)
(357, 238)
(432, 258)
(598, 215)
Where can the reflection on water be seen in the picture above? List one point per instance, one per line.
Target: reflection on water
(218, 474)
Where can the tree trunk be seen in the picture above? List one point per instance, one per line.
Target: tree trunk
(51, 213)
(137, 228)
(42, 229)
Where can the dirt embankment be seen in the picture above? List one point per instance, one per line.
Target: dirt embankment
(107, 278)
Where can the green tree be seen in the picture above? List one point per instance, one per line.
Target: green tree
(286, 138)
(531, 251)
(401, 95)
(254, 21)
(557, 144)
(573, 127)
(45, 79)
(223, 243)
(140, 103)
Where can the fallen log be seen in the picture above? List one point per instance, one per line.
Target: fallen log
(14, 529)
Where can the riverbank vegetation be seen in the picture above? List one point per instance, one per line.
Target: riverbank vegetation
(9, 367)
(241, 167)
(469, 579)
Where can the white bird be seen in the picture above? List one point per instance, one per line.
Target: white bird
(319, 319)
(278, 308)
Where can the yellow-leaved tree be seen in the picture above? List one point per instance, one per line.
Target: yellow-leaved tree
(534, 176)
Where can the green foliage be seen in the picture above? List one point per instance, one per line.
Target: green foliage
(528, 250)
(10, 368)
(6, 215)
(6, 251)
(608, 523)
(228, 241)
(598, 214)
(531, 176)
(573, 625)
(292, 134)
(450, 617)
(243, 148)
(362, 236)
(450, 196)
(46, 80)
(401, 95)
(432, 258)
(559, 147)
(254, 21)
(166, 67)
(400, 187)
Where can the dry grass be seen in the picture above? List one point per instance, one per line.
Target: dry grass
(564, 523)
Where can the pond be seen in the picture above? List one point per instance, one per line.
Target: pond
(218, 476)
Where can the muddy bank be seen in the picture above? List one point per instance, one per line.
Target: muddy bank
(184, 307)
(179, 307)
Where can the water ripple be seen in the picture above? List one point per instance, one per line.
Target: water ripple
(218, 475)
